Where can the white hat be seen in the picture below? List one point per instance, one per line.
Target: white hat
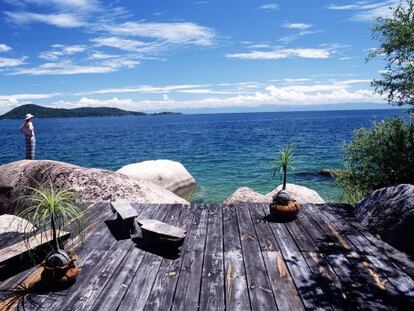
(28, 116)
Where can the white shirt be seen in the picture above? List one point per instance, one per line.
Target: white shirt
(28, 128)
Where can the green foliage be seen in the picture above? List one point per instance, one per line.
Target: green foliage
(396, 37)
(284, 163)
(378, 157)
(47, 206)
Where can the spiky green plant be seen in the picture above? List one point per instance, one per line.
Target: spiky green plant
(45, 205)
(284, 163)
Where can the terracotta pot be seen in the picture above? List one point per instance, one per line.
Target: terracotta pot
(60, 277)
(284, 212)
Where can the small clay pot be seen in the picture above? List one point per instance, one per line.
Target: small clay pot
(284, 213)
(60, 277)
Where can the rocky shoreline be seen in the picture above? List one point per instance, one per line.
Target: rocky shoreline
(387, 212)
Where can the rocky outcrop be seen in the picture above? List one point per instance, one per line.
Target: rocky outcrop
(168, 174)
(329, 172)
(389, 212)
(12, 223)
(246, 195)
(298, 193)
(93, 185)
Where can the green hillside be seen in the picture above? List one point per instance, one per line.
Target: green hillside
(45, 112)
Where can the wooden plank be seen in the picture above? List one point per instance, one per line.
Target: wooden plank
(212, 281)
(163, 290)
(112, 293)
(237, 294)
(284, 290)
(260, 289)
(342, 258)
(401, 259)
(264, 233)
(319, 266)
(188, 286)
(311, 293)
(140, 287)
(399, 286)
(352, 289)
(95, 282)
(30, 244)
(88, 256)
(124, 209)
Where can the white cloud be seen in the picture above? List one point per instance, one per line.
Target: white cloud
(123, 44)
(297, 26)
(175, 33)
(270, 7)
(271, 95)
(366, 11)
(100, 55)
(61, 50)
(149, 89)
(69, 68)
(4, 47)
(28, 96)
(64, 20)
(78, 5)
(283, 53)
(290, 38)
(8, 102)
(11, 62)
(300, 91)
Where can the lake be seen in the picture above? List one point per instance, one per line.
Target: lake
(222, 151)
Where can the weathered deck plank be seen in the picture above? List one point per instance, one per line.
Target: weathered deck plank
(237, 295)
(212, 284)
(348, 267)
(97, 282)
(399, 286)
(399, 258)
(284, 290)
(140, 286)
(310, 291)
(188, 287)
(111, 295)
(319, 266)
(260, 289)
(234, 258)
(163, 290)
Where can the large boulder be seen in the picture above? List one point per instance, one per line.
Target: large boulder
(298, 193)
(389, 212)
(12, 223)
(168, 174)
(93, 185)
(246, 195)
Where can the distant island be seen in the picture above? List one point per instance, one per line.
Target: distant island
(46, 112)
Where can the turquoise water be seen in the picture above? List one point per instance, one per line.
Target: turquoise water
(222, 151)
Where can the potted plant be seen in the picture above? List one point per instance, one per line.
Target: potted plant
(47, 207)
(283, 207)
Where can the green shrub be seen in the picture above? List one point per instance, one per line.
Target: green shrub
(378, 157)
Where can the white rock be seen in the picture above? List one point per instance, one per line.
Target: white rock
(11, 223)
(299, 193)
(246, 195)
(93, 185)
(168, 174)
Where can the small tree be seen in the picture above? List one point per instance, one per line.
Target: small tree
(379, 157)
(396, 37)
(46, 206)
(285, 162)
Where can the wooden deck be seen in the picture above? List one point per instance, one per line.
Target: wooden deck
(234, 259)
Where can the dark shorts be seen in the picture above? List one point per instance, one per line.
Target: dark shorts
(30, 147)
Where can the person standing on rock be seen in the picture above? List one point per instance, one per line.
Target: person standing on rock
(27, 129)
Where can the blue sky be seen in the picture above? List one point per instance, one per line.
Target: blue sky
(188, 55)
